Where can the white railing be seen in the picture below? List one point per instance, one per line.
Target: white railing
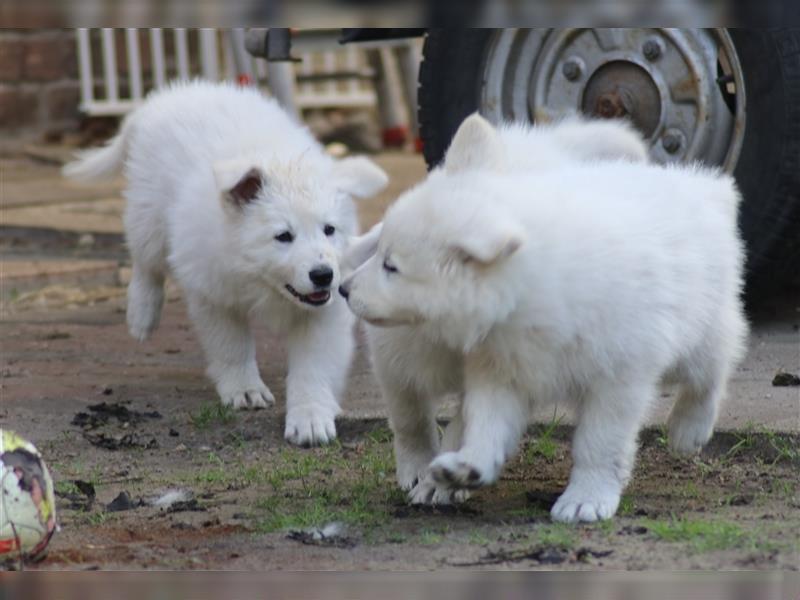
(209, 53)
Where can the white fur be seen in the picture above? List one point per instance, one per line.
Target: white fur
(525, 147)
(185, 151)
(587, 283)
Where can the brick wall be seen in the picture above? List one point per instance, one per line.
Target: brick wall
(39, 89)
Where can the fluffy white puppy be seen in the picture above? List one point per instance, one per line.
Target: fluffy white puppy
(589, 284)
(246, 210)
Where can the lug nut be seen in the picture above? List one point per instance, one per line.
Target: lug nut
(672, 141)
(572, 68)
(652, 49)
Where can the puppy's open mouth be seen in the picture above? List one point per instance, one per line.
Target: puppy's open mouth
(314, 299)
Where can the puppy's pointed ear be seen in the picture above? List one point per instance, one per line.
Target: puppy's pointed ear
(239, 182)
(475, 145)
(361, 248)
(359, 177)
(489, 242)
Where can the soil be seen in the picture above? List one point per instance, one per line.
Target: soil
(259, 504)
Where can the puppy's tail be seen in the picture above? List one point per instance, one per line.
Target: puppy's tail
(100, 163)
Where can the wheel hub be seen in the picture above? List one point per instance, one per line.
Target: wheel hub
(670, 83)
(621, 89)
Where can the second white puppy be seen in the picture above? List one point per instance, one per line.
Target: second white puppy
(588, 283)
(251, 216)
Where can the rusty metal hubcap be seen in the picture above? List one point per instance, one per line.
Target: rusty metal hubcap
(682, 88)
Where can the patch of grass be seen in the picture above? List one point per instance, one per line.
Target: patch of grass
(316, 512)
(314, 487)
(381, 435)
(702, 536)
(662, 439)
(528, 513)
(65, 488)
(690, 490)
(785, 448)
(626, 506)
(212, 413)
(478, 538)
(785, 488)
(556, 535)
(544, 445)
(430, 538)
(396, 537)
(96, 518)
(606, 526)
(745, 440)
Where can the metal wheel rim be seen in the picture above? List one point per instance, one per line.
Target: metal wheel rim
(689, 76)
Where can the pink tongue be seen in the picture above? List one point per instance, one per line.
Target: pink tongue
(319, 296)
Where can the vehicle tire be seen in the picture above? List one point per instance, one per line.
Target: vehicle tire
(454, 73)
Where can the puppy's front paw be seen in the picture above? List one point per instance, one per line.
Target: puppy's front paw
(252, 394)
(310, 426)
(452, 470)
(581, 502)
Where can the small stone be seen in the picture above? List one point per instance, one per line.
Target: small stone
(173, 432)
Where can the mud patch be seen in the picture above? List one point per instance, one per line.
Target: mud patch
(107, 425)
(102, 413)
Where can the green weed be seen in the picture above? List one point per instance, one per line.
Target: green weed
(556, 535)
(213, 413)
(544, 445)
(702, 536)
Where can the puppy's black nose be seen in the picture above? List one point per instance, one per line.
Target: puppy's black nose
(344, 292)
(321, 276)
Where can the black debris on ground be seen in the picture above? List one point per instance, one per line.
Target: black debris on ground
(120, 441)
(102, 413)
(186, 506)
(123, 502)
(783, 379)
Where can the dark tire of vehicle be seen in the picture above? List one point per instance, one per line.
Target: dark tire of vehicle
(768, 169)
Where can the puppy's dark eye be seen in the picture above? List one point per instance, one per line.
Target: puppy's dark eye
(329, 230)
(286, 237)
(388, 267)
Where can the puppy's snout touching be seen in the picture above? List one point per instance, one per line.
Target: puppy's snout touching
(321, 276)
(344, 290)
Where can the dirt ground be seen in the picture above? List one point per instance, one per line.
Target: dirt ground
(120, 424)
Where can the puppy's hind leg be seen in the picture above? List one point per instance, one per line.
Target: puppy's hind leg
(603, 450)
(416, 437)
(146, 239)
(145, 299)
(703, 377)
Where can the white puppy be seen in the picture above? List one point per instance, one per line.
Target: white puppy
(250, 215)
(586, 283)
